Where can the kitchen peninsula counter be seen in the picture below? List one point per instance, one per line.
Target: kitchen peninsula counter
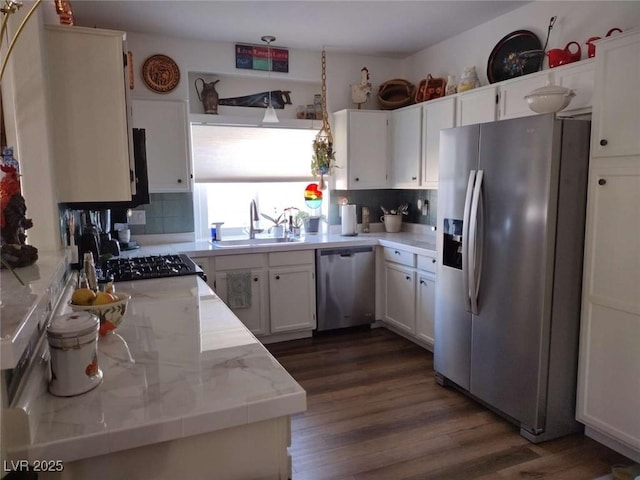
(188, 391)
(409, 241)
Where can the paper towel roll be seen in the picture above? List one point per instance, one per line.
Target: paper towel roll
(349, 219)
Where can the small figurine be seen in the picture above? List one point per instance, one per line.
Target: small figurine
(360, 93)
(468, 80)
(452, 87)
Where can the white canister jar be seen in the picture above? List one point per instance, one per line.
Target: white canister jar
(73, 343)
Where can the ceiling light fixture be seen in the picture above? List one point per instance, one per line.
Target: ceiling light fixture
(270, 115)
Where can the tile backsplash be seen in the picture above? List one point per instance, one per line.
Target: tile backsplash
(389, 199)
(166, 213)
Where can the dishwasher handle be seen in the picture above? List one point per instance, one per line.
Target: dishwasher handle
(344, 252)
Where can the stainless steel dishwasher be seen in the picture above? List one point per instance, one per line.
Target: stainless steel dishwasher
(345, 287)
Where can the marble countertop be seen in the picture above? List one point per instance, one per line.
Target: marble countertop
(412, 242)
(181, 364)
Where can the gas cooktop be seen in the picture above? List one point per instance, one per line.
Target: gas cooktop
(154, 266)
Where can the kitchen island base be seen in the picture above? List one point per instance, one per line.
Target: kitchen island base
(256, 450)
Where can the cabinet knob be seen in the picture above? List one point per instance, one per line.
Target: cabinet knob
(357, 179)
(603, 142)
(433, 260)
(255, 279)
(422, 282)
(179, 180)
(414, 178)
(602, 181)
(277, 277)
(408, 277)
(397, 252)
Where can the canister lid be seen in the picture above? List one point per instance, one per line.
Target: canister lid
(73, 324)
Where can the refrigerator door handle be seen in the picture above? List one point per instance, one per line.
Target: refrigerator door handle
(475, 252)
(465, 240)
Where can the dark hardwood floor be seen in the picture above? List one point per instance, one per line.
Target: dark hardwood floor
(374, 411)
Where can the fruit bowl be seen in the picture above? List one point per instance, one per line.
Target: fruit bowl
(110, 314)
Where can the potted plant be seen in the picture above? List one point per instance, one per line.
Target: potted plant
(277, 229)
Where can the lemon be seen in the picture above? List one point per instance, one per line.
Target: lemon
(83, 296)
(102, 298)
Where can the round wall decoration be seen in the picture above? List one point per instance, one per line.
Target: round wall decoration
(509, 57)
(160, 73)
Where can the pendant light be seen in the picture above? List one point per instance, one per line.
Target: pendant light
(270, 114)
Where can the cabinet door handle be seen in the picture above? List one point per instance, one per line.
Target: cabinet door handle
(603, 142)
(277, 277)
(179, 180)
(602, 181)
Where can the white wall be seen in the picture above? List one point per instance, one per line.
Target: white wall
(219, 58)
(24, 94)
(577, 21)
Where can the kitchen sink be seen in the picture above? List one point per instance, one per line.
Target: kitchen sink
(250, 242)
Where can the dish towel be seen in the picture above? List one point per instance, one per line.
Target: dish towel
(239, 289)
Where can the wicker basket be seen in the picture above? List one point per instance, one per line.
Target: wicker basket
(430, 88)
(395, 93)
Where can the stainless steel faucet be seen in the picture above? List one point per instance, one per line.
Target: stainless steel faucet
(253, 217)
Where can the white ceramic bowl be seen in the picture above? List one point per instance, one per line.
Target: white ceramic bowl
(110, 314)
(549, 99)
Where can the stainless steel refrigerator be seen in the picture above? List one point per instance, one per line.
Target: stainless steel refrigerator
(511, 213)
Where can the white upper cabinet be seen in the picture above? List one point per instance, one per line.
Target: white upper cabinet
(616, 103)
(89, 114)
(406, 151)
(511, 102)
(476, 106)
(166, 129)
(362, 144)
(580, 78)
(436, 115)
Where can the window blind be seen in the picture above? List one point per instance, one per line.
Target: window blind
(223, 153)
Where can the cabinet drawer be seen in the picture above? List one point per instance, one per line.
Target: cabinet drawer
(427, 263)
(235, 262)
(399, 256)
(291, 258)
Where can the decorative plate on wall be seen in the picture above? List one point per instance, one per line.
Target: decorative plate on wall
(506, 60)
(160, 73)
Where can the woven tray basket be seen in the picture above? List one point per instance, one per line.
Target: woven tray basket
(395, 93)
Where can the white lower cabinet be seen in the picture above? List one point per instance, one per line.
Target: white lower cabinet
(409, 294)
(256, 316)
(292, 291)
(282, 290)
(608, 380)
(426, 302)
(400, 299)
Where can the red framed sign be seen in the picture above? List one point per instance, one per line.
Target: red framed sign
(256, 57)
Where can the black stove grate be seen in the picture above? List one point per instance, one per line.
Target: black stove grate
(153, 266)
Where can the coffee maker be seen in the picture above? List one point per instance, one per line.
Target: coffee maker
(107, 244)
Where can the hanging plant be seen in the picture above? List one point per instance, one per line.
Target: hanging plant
(323, 160)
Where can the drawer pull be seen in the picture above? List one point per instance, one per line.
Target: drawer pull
(277, 277)
(408, 277)
(255, 279)
(603, 142)
(602, 181)
(397, 252)
(422, 282)
(433, 260)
